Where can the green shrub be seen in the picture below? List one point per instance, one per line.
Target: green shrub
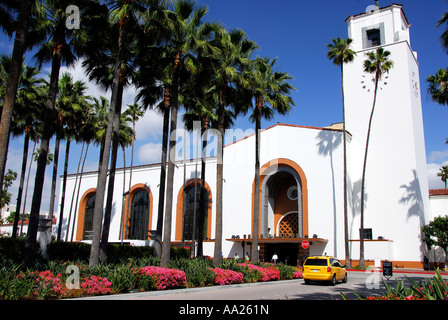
(286, 272)
(12, 248)
(197, 271)
(429, 289)
(123, 279)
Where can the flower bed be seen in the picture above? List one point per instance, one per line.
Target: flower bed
(264, 274)
(226, 276)
(297, 274)
(157, 278)
(49, 286)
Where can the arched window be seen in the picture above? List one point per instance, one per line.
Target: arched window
(87, 233)
(193, 220)
(138, 228)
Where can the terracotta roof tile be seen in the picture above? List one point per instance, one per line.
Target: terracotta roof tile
(438, 192)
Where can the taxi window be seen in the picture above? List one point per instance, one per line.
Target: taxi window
(316, 262)
(336, 263)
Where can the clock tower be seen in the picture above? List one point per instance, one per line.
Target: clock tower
(396, 184)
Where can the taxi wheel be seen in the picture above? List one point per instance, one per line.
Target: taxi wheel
(333, 280)
(345, 279)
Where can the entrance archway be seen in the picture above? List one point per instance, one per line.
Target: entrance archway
(283, 211)
(283, 188)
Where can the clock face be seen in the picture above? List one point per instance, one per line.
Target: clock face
(414, 84)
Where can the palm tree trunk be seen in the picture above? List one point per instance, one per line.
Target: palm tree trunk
(77, 193)
(361, 241)
(344, 141)
(30, 246)
(26, 188)
(123, 200)
(166, 244)
(128, 207)
(64, 186)
(55, 176)
(22, 180)
(217, 259)
(13, 81)
(166, 122)
(110, 188)
(202, 208)
(73, 195)
(256, 213)
(115, 107)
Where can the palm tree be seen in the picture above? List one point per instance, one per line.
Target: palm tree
(438, 86)
(15, 16)
(72, 108)
(268, 87)
(56, 49)
(443, 174)
(377, 63)
(444, 37)
(340, 53)
(27, 110)
(125, 136)
(185, 35)
(235, 50)
(200, 101)
(115, 42)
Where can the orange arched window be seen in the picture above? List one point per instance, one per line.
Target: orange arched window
(186, 208)
(138, 213)
(85, 215)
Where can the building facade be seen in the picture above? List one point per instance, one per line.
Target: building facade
(301, 181)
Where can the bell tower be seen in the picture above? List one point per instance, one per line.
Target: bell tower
(396, 186)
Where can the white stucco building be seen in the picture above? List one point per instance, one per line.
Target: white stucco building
(301, 183)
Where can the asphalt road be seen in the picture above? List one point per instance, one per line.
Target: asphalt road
(363, 283)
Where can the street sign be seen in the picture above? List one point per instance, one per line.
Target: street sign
(305, 244)
(387, 269)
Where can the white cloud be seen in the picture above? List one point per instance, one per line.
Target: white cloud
(435, 156)
(150, 153)
(149, 126)
(434, 181)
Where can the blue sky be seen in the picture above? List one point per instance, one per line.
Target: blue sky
(295, 32)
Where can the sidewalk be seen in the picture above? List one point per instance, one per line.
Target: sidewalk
(407, 270)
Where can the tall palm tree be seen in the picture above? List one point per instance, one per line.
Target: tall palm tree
(59, 46)
(377, 63)
(443, 174)
(72, 110)
(185, 35)
(438, 86)
(15, 16)
(340, 53)
(125, 136)
(200, 101)
(125, 20)
(27, 119)
(235, 51)
(268, 87)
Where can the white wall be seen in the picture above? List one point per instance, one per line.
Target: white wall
(396, 183)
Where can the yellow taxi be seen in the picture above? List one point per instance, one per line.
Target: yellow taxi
(324, 268)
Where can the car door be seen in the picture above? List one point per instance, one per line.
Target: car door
(340, 271)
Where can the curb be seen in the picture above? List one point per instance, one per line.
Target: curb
(401, 270)
(137, 295)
